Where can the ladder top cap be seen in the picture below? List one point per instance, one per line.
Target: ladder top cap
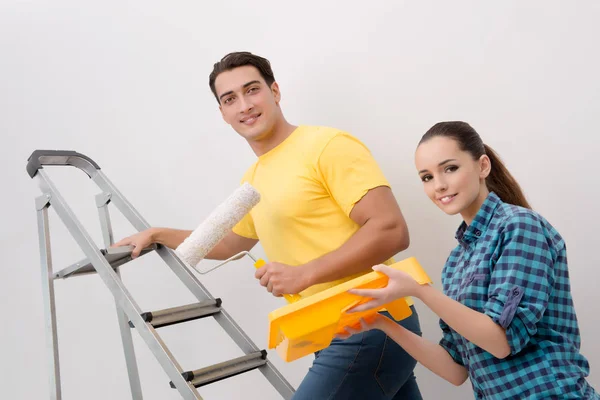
(39, 158)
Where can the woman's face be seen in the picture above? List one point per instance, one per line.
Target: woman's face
(451, 178)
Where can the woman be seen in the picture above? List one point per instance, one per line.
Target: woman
(506, 310)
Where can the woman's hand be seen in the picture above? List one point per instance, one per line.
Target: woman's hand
(400, 284)
(376, 321)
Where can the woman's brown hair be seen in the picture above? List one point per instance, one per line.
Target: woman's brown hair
(499, 181)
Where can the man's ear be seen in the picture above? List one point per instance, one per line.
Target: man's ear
(276, 92)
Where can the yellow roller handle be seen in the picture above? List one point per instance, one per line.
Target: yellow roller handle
(291, 298)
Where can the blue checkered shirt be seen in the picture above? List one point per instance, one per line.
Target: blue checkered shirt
(511, 264)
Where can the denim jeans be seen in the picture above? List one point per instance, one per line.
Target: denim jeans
(368, 365)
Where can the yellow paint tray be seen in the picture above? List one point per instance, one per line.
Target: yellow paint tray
(310, 324)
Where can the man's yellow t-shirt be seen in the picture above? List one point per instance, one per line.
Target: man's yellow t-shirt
(308, 185)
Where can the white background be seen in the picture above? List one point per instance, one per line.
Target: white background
(126, 83)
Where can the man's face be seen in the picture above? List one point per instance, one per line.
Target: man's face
(247, 103)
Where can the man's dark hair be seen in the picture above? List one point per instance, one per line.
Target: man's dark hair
(241, 59)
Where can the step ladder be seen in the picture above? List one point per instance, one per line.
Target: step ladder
(106, 263)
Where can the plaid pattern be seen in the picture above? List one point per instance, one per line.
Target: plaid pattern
(511, 264)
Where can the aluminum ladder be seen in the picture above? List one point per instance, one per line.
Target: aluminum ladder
(106, 262)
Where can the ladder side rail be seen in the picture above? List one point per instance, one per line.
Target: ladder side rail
(118, 290)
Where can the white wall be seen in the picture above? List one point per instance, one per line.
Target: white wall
(126, 84)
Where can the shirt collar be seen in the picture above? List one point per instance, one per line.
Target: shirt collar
(466, 234)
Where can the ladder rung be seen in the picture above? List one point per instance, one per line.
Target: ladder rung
(225, 369)
(179, 314)
(116, 256)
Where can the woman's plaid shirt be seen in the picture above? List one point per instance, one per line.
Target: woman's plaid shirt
(511, 264)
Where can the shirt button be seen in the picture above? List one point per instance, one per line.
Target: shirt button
(516, 292)
(477, 233)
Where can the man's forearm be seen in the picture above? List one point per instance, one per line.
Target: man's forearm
(375, 242)
(169, 237)
(227, 247)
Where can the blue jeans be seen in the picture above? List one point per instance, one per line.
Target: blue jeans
(368, 365)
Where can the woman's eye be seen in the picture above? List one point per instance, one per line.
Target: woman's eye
(426, 178)
(451, 168)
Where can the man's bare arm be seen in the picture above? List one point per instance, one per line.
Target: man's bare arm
(172, 238)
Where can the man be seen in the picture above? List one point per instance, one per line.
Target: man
(326, 215)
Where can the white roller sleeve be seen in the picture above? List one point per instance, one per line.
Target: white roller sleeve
(214, 228)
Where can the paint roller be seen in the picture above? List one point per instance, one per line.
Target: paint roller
(216, 226)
